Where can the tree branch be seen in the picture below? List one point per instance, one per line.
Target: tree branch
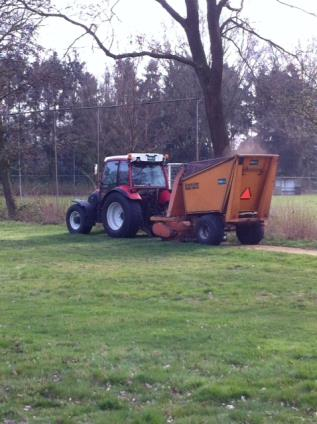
(297, 8)
(73, 43)
(235, 9)
(247, 28)
(225, 24)
(90, 30)
(221, 5)
(245, 61)
(172, 12)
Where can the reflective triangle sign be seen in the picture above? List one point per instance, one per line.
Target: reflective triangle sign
(246, 194)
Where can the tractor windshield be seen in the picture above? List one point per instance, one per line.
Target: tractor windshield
(148, 175)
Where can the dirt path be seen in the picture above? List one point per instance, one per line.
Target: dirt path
(281, 249)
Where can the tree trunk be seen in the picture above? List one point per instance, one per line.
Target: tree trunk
(5, 177)
(212, 92)
(216, 121)
(209, 76)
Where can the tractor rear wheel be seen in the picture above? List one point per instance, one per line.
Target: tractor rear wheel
(250, 233)
(76, 220)
(121, 217)
(210, 229)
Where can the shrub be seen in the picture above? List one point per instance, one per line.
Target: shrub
(39, 209)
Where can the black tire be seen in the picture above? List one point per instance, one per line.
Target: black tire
(210, 230)
(250, 233)
(76, 220)
(121, 217)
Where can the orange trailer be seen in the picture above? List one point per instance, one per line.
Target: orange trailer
(218, 195)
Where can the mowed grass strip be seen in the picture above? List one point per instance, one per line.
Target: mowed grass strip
(97, 330)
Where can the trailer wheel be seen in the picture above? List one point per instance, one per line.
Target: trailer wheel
(121, 217)
(210, 230)
(250, 233)
(76, 220)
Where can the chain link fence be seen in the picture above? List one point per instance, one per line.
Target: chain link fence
(296, 185)
(53, 152)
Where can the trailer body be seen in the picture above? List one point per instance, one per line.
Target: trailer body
(233, 192)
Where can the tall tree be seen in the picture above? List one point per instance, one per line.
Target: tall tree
(17, 29)
(220, 18)
(180, 118)
(286, 118)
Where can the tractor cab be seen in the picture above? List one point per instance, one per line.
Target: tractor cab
(133, 172)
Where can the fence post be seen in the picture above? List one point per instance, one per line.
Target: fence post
(19, 153)
(74, 168)
(197, 129)
(55, 157)
(98, 135)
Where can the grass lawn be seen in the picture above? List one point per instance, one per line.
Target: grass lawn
(96, 330)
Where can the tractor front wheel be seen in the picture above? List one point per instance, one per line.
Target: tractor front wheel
(210, 229)
(250, 233)
(76, 220)
(121, 217)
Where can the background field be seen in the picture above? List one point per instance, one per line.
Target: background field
(95, 330)
(293, 221)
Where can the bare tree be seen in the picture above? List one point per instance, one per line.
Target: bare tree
(17, 27)
(221, 18)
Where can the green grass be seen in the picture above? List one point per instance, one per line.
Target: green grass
(96, 330)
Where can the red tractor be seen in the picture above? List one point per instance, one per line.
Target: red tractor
(132, 188)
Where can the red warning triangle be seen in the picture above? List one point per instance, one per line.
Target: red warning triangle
(246, 194)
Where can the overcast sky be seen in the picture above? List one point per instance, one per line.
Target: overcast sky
(284, 25)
